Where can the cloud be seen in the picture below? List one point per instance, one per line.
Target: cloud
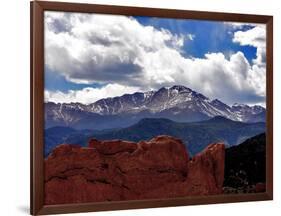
(241, 25)
(255, 37)
(88, 95)
(191, 36)
(91, 48)
(230, 80)
(102, 48)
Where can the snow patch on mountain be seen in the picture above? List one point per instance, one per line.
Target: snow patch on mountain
(172, 101)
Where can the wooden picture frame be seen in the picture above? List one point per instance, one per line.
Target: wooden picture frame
(37, 9)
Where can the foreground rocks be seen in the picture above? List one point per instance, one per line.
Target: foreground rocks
(120, 170)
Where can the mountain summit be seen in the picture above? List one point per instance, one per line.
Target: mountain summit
(177, 103)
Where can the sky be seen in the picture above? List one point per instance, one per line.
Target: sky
(92, 56)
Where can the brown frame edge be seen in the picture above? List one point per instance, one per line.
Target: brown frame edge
(37, 107)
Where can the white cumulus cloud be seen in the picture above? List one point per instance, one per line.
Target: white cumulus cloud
(91, 48)
(88, 95)
(255, 37)
(102, 48)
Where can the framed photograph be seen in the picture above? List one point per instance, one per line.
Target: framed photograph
(141, 107)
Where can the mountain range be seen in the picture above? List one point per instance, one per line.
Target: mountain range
(177, 103)
(195, 135)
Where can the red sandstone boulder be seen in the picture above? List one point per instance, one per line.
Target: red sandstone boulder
(260, 188)
(207, 170)
(122, 170)
(112, 146)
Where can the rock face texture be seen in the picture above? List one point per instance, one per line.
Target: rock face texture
(121, 170)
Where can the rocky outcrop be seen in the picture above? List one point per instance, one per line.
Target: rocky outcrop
(121, 170)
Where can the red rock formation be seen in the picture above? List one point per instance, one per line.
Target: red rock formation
(260, 188)
(207, 170)
(121, 170)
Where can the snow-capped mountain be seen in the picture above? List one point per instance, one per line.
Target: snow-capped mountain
(177, 103)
